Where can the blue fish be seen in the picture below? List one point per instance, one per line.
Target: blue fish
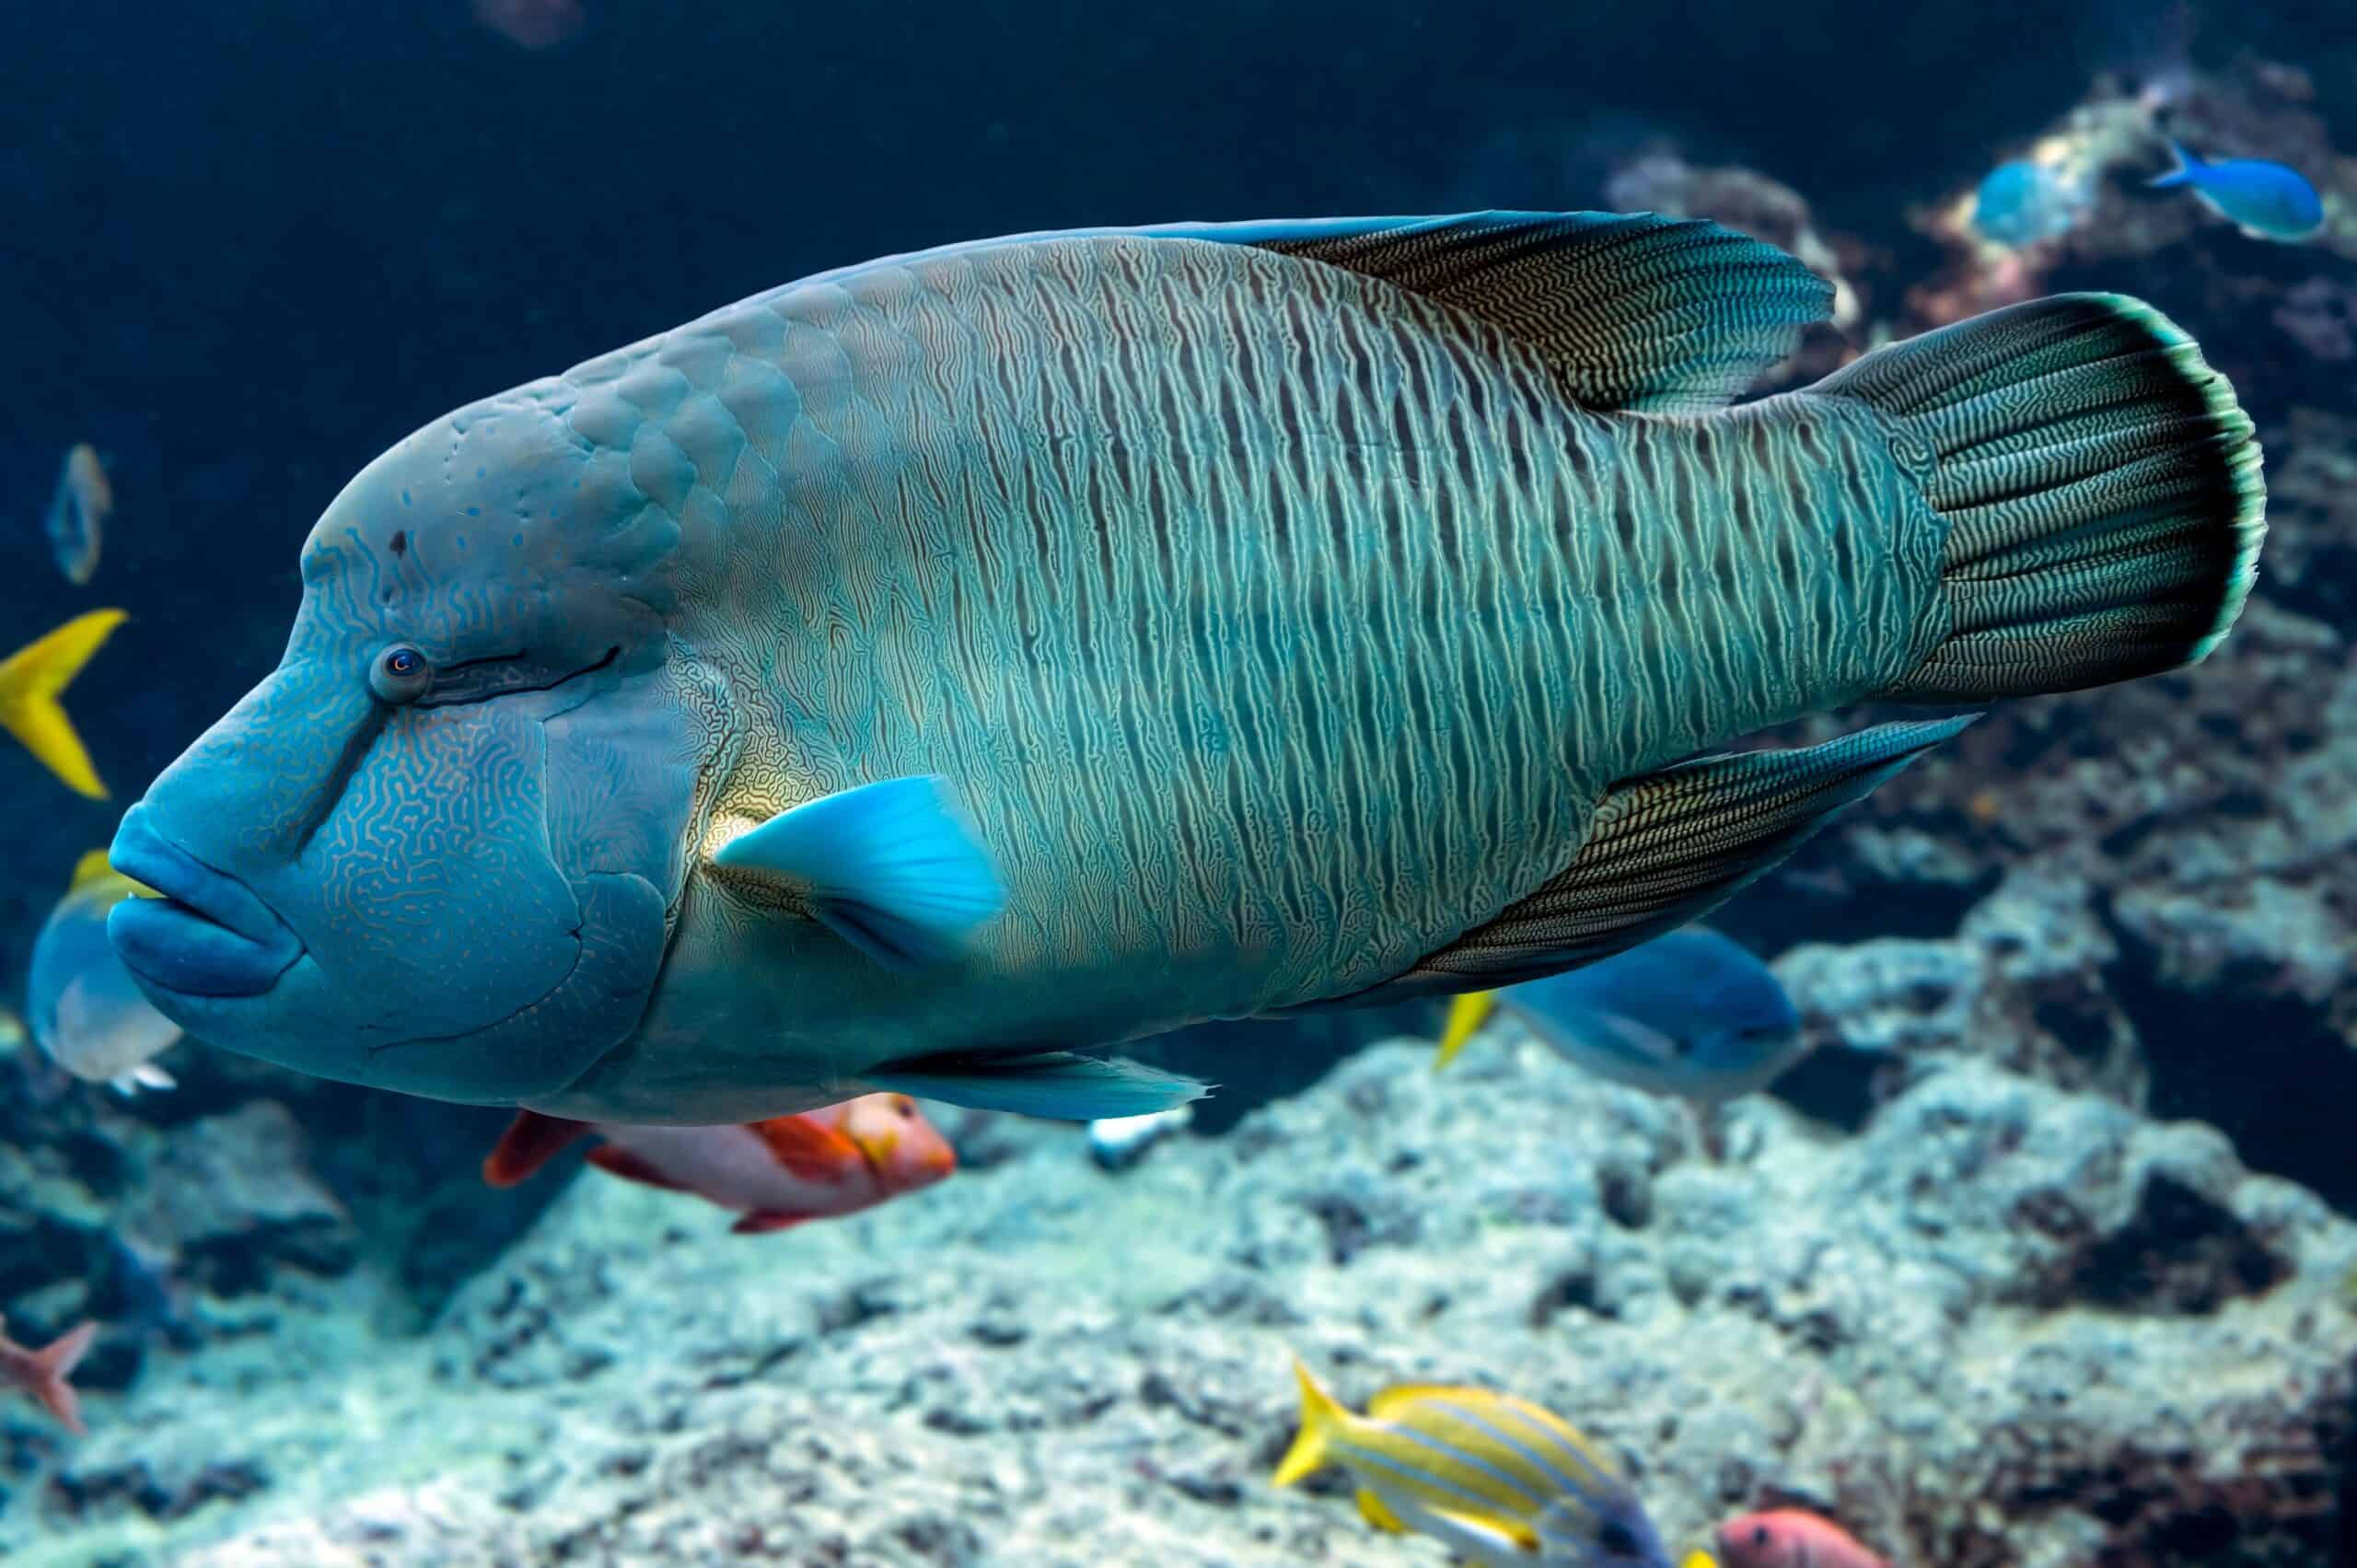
(85, 1014)
(2265, 200)
(922, 676)
(2020, 203)
(1691, 1014)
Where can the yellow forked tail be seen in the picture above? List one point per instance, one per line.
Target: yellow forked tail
(29, 681)
(1466, 1013)
(1320, 1415)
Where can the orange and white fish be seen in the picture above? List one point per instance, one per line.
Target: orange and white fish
(836, 1160)
(1791, 1537)
(41, 1374)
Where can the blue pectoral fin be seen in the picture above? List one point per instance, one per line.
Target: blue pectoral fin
(1061, 1085)
(891, 867)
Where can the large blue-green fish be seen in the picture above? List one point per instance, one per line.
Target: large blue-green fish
(921, 675)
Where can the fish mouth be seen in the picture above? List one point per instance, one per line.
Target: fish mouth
(205, 933)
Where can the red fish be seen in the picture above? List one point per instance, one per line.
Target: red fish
(836, 1160)
(41, 1373)
(1791, 1537)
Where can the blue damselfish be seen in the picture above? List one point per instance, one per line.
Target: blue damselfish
(2021, 202)
(923, 676)
(2265, 200)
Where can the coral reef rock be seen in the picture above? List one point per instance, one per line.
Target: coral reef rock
(2005, 1324)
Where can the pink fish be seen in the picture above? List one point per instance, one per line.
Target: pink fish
(41, 1373)
(836, 1160)
(1791, 1537)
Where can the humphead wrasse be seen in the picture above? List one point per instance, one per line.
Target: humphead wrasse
(916, 678)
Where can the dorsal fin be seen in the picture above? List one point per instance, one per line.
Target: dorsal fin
(1635, 310)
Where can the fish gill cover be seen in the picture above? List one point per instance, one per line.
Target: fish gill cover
(2042, 1247)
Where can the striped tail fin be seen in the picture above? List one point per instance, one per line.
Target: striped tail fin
(2101, 487)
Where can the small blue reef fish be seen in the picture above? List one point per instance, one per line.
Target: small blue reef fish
(922, 676)
(2020, 203)
(86, 1016)
(1500, 1481)
(78, 513)
(1691, 1014)
(2266, 201)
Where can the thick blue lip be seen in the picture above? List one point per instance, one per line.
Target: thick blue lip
(208, 935)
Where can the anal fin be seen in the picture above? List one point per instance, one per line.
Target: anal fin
(1376, 1511)
(1061, 1085)
(761, 1222)
(1666, 849)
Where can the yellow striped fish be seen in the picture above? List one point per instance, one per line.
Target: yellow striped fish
(1497, 1480)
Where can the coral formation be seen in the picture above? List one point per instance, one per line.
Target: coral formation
(2006, 1324)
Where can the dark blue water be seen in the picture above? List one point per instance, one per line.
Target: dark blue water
(249, 245)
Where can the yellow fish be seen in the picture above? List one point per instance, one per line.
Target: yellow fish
(30, 680)
(1498, 1480)
(1468, 1011)
(85, 1011)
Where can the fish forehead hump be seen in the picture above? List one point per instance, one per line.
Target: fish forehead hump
(1276, 625)
(505, 523)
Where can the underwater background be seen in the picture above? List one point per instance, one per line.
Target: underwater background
(2047, 1255)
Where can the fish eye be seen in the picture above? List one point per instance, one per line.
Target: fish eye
(1759, 1535)
(1617, 1540)
(399, 674)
